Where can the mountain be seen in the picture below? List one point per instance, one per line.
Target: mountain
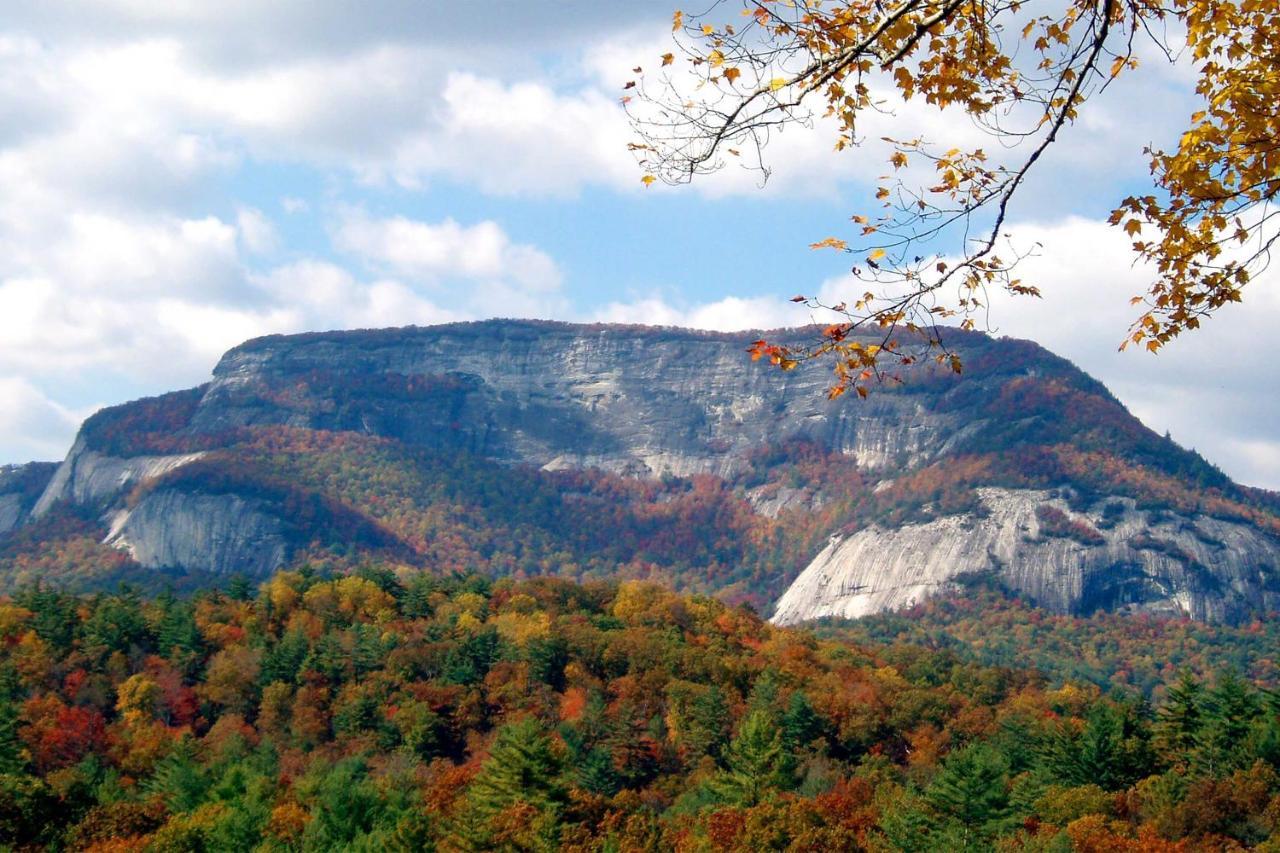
(20, 487)
(521, 447)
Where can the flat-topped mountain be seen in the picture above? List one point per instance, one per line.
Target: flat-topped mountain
(600, 451)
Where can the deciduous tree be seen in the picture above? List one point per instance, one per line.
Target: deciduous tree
(1022, 73)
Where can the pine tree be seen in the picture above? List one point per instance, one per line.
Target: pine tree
(801, 725)
(178, 629)
(1230, 709)
(10, 747)
(1178, 721)
(705, 727)
(764, 693)
(596, 773)
(1111, 751)
(756, 763)
(522, 769)
(972, 790)
(239, 588)
(179, 780)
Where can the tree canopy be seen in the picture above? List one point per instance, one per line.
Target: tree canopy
(936, 244)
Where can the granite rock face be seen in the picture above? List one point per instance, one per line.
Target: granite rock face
(1112, 556)
(632, 400)
(219, 534)
(20, 488)
(651, 402)
(87, 476)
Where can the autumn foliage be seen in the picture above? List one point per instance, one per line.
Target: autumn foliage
(411, 712)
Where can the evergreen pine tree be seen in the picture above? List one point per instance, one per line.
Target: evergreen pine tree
(972, 790)
(801, 725)
(1230, 709)
(756, 763)
(239, 588)
(764, 693)
(10, 747)
(522, 768)
(705, 727)
(1178, 721)
(596, 773)
(178, 629)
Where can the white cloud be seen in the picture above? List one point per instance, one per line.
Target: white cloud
(311, 295)
(521, 138)
(432, 251)
(257, 232)
(31, 425)
(731, 314)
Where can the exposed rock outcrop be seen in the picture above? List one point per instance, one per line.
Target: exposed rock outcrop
(1112, 557)
(20, 488)
(87, 476)
(219, 534)
(627, 399)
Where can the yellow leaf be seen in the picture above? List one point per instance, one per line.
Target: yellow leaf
(716, 58)
(648, 180)
(876, 255)
(830, 243)
(707, 29)
(677, 20)
(1117, 66)
(777, 83)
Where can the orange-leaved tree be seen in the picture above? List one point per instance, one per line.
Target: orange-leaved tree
(1021, 71)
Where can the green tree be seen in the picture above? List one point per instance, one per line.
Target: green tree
(801, 724)
(177, 634)
(1112, 749)
(1229, 711)
(1178, 722)
(972, 789)
(522, 771)
(10, 747)
(345, 806)
(756, 763)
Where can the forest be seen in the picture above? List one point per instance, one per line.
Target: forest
(377, 711)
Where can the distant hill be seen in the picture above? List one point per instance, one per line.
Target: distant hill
(526, 448)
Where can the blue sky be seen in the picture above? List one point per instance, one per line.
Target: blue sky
(176, 178)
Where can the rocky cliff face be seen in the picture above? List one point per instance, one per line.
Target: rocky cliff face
(651, 403)
(219, 534)
(87, 476)
(1111, 556)
(20, 488)
(640, 401)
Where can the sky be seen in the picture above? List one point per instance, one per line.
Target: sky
(176, 178)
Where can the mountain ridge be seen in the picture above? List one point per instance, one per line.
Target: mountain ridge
(296, 428)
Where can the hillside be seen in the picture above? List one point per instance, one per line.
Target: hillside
(527, 448)
(372, 713)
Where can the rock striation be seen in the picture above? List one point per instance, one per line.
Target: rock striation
(218, 534)
(633, 400)
(88, 477)
(1112, 556)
